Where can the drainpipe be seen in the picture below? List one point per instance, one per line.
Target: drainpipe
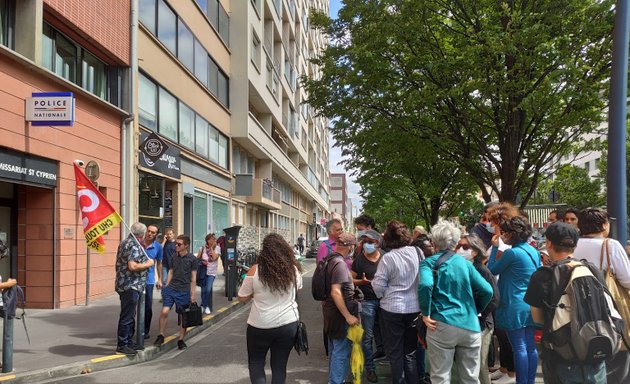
(128, 133)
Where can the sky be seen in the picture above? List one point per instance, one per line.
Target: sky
(335, 153)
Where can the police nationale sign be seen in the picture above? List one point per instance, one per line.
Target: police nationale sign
(50, 108)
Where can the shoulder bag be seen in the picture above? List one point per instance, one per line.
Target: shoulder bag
(301, 338)
(620, 294)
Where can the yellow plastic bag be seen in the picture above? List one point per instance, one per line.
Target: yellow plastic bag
(355, 334)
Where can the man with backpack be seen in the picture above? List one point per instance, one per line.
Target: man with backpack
(332, 283)
(334, 228)
(571, 294)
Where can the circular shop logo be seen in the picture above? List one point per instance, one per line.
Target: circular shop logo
(153, 147)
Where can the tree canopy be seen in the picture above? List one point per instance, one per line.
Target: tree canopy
(499, 89)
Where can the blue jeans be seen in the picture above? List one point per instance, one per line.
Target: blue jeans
(148, 308)
(368, 315)
(126, 321)
(525, 354)
(339, 360)
(206, 292)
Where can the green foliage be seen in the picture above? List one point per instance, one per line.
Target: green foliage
(499, 90)
(574, 186)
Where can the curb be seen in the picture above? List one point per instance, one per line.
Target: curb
(116, 361)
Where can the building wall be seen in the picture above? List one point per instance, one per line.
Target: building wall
(105, 26)
(95, 135)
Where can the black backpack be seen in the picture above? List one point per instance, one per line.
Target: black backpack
(583, 324)
(320, 287)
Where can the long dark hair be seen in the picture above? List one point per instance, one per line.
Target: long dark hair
(276, 264)
(396, 235)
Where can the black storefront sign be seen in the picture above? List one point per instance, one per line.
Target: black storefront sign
(22, 167)
(169, 161)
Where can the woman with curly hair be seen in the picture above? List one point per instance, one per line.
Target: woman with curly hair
(272, 323)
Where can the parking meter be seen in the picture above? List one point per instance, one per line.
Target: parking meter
(231, 237)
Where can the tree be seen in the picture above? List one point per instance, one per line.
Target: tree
(503, 89)
(575, 188)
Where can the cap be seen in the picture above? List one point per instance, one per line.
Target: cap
(346, 239)
(561, 234)
(372, 234)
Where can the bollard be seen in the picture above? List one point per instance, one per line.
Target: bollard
(7, 345)
(140, 321)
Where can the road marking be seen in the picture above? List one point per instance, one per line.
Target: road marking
(9, 377)
(106, 358)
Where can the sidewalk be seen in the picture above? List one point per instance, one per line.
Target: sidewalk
(70, 341)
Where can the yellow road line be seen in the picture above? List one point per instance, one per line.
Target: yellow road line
(9, 377)
(106, 358)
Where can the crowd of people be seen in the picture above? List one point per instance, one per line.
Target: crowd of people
(436, 305)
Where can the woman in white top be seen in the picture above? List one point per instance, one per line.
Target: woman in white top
(594, 228)
(209, 255)
(272, 323)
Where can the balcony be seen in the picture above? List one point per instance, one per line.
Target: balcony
(264, 195)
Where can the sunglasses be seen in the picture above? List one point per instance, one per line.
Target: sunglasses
(178, 244)
(464, 246)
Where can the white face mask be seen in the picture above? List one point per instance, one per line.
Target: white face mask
(465, 253)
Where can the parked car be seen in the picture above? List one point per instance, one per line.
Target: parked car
(312, 250)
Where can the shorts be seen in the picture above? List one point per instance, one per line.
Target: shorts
(181, 299)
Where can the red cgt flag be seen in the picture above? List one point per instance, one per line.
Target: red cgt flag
(97, 214)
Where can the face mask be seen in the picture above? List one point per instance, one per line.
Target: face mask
(465, 253)
(490, 228)
(360, 233)
(369, 248)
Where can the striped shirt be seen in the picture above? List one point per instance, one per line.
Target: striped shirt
(396, 281)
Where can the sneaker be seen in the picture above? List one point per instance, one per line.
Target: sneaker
(181, 344)
(147, 336)
(126, 350)
(136, 347)
(207, 311)
(378, 355)
(497, 375)
(507, 379)
(159, 340)
(371, 377)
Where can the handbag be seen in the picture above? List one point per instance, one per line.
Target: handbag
(300, 343)
(202, 272)
(191, 316)
(620, 294)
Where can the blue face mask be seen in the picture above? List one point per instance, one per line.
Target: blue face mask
(369, 248)
(360, 233)
(490, 228)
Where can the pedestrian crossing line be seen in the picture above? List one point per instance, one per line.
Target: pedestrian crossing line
(106, 358)
(6, 378)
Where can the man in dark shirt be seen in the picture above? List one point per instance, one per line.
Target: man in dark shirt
(180, 289)
(168, 252)
(484, 229)
(560, 240)
(300, 243)
(363, 269)
(339, 309)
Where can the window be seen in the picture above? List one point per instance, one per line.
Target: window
(224, 24)
(587, 166)
(255, 52)
(167, 26)
(201, 137)
(201, 63)
(168, 115)
(186, 126)
(147, 103)
(7, 22)
(223, 151)
(94, 75)
(185, 43)
(214, 144)
(213, 80)
(213, 13)
(74, 63)
(203, 4)
(224, 91)
(147, 14)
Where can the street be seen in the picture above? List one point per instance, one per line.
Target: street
(219, 354)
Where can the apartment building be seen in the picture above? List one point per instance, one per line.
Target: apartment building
(184, 87)
(280, 149)
(74, 57)
(340, 202)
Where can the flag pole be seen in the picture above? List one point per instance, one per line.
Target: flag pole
(87, 278)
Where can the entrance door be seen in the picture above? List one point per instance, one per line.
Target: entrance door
(5, 237)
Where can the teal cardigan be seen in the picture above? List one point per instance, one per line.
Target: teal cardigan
(459, 295)
(515, 267)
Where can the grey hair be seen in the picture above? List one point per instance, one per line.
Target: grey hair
(445, 235)
(138, 229)
(478, 246)
(330, 223)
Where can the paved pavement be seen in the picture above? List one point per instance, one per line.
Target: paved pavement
(68, 341)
